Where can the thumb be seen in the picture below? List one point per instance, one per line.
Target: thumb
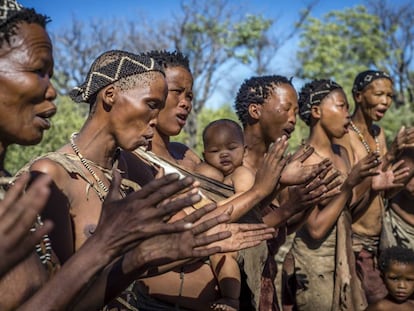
(114, 193)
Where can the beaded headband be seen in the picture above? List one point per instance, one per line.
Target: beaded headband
(8, 8)
(319, 89)
(366, 77)
(110, 67)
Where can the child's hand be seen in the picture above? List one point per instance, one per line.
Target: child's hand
(364, 168)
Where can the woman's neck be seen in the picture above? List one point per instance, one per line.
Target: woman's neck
(256, 148)
(95, 144)
(363, 123)
(320, 140)
(160, 143)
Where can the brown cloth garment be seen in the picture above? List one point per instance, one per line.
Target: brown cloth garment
(323, 274)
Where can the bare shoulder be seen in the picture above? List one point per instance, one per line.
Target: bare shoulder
(243, 179)
(184, 154)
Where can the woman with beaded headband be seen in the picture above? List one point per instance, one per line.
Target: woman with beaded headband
(324, 268)
(372, 93)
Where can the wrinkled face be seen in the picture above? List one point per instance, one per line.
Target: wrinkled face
(278, 113)
(376, 98)
(135, 111)
(334, 114)
(173, 116)
(223, 148)
(399, 279)
(26, 67)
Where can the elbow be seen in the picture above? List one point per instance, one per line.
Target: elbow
(318, 233)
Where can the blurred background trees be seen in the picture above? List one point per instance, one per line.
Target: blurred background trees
(226, 45)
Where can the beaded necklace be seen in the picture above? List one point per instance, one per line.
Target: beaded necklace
(363, 141)
(86, 164)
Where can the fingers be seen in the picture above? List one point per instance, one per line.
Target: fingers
(208, 224)
(114, 193)
(14, 192)
(194, 217)
(160, 189)
(205, 251)
(167, 209)
(306, 153)
(22, 213)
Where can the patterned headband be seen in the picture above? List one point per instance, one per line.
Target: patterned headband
(110, 67)
(312, 94)
(8, 8)
(366, 77)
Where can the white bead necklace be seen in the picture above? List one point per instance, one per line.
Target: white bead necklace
(364, 142)
(88, 167)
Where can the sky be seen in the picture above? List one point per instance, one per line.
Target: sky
(285, 12)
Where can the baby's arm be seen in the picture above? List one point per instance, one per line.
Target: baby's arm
(209, 171)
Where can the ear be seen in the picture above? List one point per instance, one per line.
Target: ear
(357, 97)
(109, 95)
(316, 112)
(255, 111)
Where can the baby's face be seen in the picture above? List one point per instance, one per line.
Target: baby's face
(224, 150)
(399, 279)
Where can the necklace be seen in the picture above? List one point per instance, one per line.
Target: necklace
(363, 141)
(85, 163)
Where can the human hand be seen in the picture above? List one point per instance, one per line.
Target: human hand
(268, 174)
(404, 139)
(126, 221)
(242, 236)
(324, 186)
(366, 167)
(394, 177)
(18, 212)
(196, 241)
(295, 172)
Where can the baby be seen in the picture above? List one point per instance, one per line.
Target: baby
(223, 157)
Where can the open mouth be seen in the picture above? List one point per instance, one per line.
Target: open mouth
(182, 119)
(44, 118)
(288, 132)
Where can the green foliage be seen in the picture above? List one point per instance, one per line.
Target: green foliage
(340, 45)
(69, 119)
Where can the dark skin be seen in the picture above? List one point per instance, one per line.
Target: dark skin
(18, 213)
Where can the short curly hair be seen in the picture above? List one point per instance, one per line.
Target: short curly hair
(30, 16)
(256, 90)
(395, 254)
(170, 59)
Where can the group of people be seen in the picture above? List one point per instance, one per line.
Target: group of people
(123, 218)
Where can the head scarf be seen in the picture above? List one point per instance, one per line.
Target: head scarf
(8, 9)
(312, 94)
(110, 67)
(366, 77)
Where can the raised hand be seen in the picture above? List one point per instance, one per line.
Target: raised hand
(394, 177)
(404, 139)
(18, 212)
(268, 174)
(366, 167)
(295, 172)
(313, 191)
(125, 222)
